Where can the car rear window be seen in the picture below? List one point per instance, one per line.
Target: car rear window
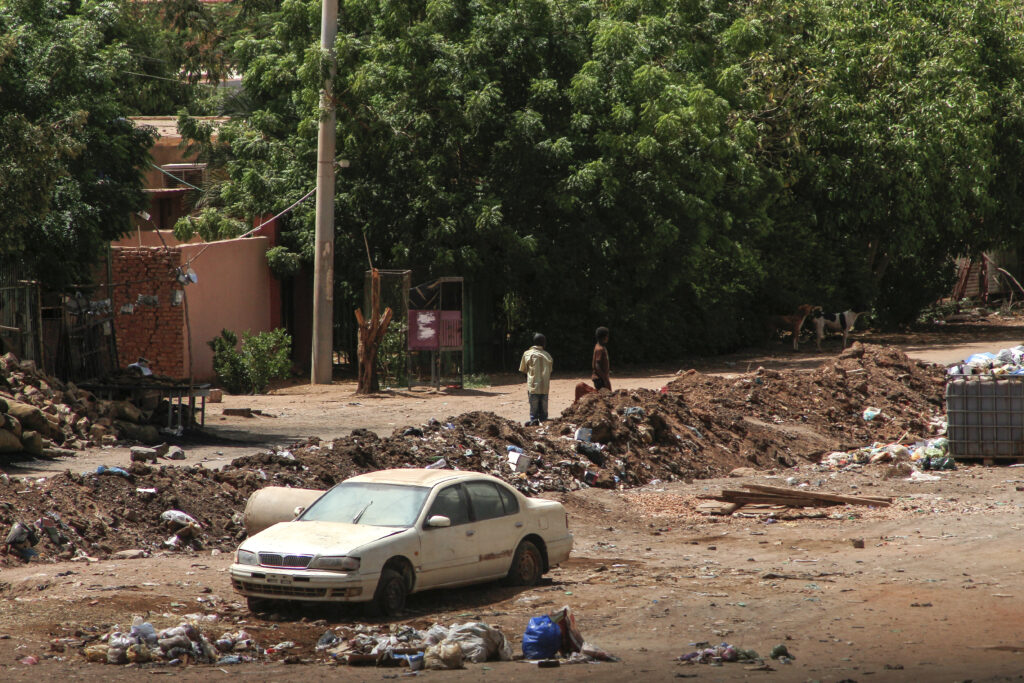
(486, 500)
(509, 499)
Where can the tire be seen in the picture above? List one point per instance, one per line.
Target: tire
(256, 605)
(389, 598)
(527, 565)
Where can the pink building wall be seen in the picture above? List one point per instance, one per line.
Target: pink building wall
(234, 290)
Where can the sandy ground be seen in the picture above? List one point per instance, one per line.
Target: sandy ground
(935, 593)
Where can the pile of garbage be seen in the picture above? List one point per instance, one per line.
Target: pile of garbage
(183, 644)
(717, 654)
(925, 455)
(435, 647)
(697, 427)
(438, 647)
(1005, 362)
(42, 416)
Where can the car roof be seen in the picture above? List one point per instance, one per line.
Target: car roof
(416, 477)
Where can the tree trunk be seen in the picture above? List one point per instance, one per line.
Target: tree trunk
(371, 333)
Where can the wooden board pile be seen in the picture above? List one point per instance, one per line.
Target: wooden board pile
(773, 497)
(42, 416)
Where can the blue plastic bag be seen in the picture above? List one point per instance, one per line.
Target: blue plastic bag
(541, 639)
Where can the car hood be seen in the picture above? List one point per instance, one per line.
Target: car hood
(316, 538)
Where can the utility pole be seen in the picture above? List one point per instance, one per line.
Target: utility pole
(323, 268)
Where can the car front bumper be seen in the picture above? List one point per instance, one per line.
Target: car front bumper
(308, 584)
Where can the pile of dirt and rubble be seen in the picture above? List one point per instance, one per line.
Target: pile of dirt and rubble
(42, 416)
(697, 427)
(867, 394)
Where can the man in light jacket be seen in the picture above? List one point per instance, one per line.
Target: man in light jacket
(537, 364)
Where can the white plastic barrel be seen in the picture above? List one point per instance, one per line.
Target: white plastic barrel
(274, 504)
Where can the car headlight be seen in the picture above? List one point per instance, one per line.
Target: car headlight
(246, 557)
(335, 563)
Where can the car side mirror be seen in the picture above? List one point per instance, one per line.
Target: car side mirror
(438, 521)
(299, 509)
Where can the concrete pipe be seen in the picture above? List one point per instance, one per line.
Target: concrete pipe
(274, 504)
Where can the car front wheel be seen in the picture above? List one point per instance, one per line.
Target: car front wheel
(527, 565)
(389, 598)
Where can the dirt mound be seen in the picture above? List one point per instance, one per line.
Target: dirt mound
(823, 410)
(699, 426)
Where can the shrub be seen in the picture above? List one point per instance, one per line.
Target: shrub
(263, 357)
(227, 362)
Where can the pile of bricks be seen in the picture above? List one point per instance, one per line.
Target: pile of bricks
(148, 308)
(40, 415)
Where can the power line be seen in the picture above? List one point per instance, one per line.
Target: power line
(164, 78)
(269, 220)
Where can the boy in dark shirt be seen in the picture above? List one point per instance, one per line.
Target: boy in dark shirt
(600, 365)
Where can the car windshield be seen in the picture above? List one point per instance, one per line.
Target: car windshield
(371, 504)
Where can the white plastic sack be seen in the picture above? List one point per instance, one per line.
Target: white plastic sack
(435, 634)
(177, 517)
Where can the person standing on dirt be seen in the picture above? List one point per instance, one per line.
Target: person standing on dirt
(537, 364)
(601, 366)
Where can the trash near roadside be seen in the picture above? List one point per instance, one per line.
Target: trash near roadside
(1005, 362)
(931, 454)
(550, 635)
(182, 644)
(724, 652)
(439, 647)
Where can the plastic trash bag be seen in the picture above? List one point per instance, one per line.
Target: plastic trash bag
(480, 642)
(542, 638)
(445, 655)
(435, 634)
(143, 631)
(103, 469)
(177, 517)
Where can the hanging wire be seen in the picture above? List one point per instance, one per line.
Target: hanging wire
(258, 227)
(180, 180)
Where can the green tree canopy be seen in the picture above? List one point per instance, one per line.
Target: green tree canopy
(672, 168)
(69, 159)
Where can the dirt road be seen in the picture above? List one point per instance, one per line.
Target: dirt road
(934, 594)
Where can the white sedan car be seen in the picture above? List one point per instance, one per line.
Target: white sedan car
(378, 537)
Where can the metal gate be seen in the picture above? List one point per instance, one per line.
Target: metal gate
(79, 334)
(20, 328)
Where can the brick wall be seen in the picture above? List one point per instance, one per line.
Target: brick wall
(154, 330)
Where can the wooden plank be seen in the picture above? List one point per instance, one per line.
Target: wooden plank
(717, 508)
(813, 495)
(803, 493)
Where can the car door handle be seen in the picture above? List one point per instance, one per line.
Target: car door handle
(519, 525)
(470, 532)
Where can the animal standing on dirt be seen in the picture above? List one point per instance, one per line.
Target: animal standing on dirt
(792, 323)
(601, 365)
(537, 364)
(834, 322)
